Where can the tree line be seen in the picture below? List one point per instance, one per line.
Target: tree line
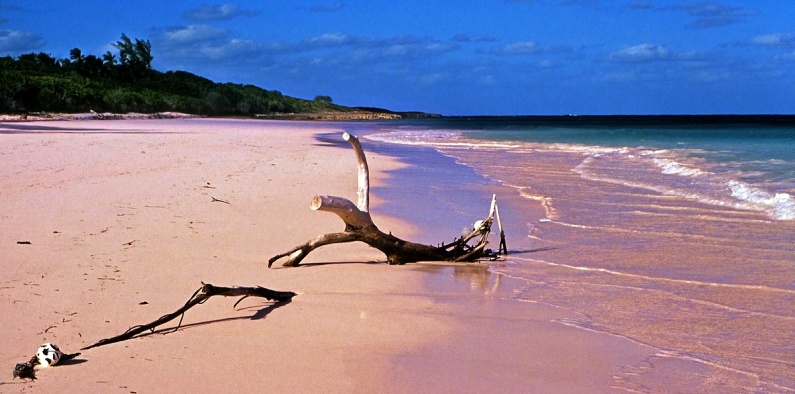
(38, 82)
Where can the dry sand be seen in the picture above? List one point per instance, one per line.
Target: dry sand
(123, 227)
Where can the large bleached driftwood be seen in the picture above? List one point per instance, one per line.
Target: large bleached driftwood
(359, 226)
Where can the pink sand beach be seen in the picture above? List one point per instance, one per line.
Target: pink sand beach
(105, 225)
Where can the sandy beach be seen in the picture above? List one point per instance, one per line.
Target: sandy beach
(109, 224)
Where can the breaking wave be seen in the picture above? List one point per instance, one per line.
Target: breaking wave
(667, 171)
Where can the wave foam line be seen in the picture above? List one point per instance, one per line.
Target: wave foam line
(727, 243)
(546, 202)
(661, 279)
(675, 295)
(669, 353)
(688, 357)
(435, 139)
(778, 206)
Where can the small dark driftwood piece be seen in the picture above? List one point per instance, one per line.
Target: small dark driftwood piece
(199, 297)
(359, 226)
(27, 370)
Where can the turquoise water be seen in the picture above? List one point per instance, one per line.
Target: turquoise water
(668, 232)
(749, 166)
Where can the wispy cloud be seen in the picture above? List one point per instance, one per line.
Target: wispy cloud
(192, 34)
(334, 7)
(584, 3)
(528, 48)
(19, 41)
(197, 44)
(391, 46)
(641, 53)
(330, 40)
(519, 48)
(5, 6)
(464, 37)
(707, 14)
(235, 50)
(208, 13)
(777, 40)
(202, 43)
(642, 5)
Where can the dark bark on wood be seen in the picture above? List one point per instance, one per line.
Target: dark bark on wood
(359, 226)
(199, 296)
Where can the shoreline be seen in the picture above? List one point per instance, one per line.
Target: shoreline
(46, 117)
(655, 268)
(119, 215)
(492, 323)
(325, 116)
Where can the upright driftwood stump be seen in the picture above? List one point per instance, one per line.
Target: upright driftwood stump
(359, 226)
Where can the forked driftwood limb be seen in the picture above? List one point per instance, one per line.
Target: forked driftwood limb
(359, 226)
(199, 296)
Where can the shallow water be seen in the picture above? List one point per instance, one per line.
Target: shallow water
(682, 242)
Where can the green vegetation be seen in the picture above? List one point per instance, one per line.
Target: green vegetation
(37, 82)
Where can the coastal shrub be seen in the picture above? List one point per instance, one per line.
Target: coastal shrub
(127, 83)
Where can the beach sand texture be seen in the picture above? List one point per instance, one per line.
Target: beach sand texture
(123, 225)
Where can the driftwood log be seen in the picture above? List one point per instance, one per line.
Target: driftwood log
(199, 297)
(359, 226)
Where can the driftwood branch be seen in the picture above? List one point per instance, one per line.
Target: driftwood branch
(199, 296)
(359, 226)
(363, 192)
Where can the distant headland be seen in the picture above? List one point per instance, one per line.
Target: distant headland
(39, 86)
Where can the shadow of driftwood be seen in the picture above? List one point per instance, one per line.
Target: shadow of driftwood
(544, 249)
(320, 264)
(260, 313)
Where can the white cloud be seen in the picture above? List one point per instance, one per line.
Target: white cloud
(203, 44)
(438, 47)
(775, 40)
(433, 78)
(192, 34)
(788, 56)
(217, 12)
(328, 7)
(642, 5)
(487, 80)
(707, 14)
(528, 48)
(19, 41)
(329, 40)
(641, 53)
(520, 48)
(231, 49)
(403, 46)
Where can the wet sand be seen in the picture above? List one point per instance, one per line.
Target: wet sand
(120, 221)
(710, 288)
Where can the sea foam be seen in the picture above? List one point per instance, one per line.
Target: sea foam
(670, 172)
(780, 206)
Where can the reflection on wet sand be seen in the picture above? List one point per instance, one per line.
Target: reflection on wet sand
(476, 276)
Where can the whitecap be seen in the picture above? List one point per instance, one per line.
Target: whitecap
(780, 206)
(672, 167)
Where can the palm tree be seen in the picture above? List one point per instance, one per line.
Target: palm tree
(143, 51)
(109, 59)
(136, 58)
(76, 55)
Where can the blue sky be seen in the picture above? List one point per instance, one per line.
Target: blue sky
(479, 57)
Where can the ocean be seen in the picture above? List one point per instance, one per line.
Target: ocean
(674, 232)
